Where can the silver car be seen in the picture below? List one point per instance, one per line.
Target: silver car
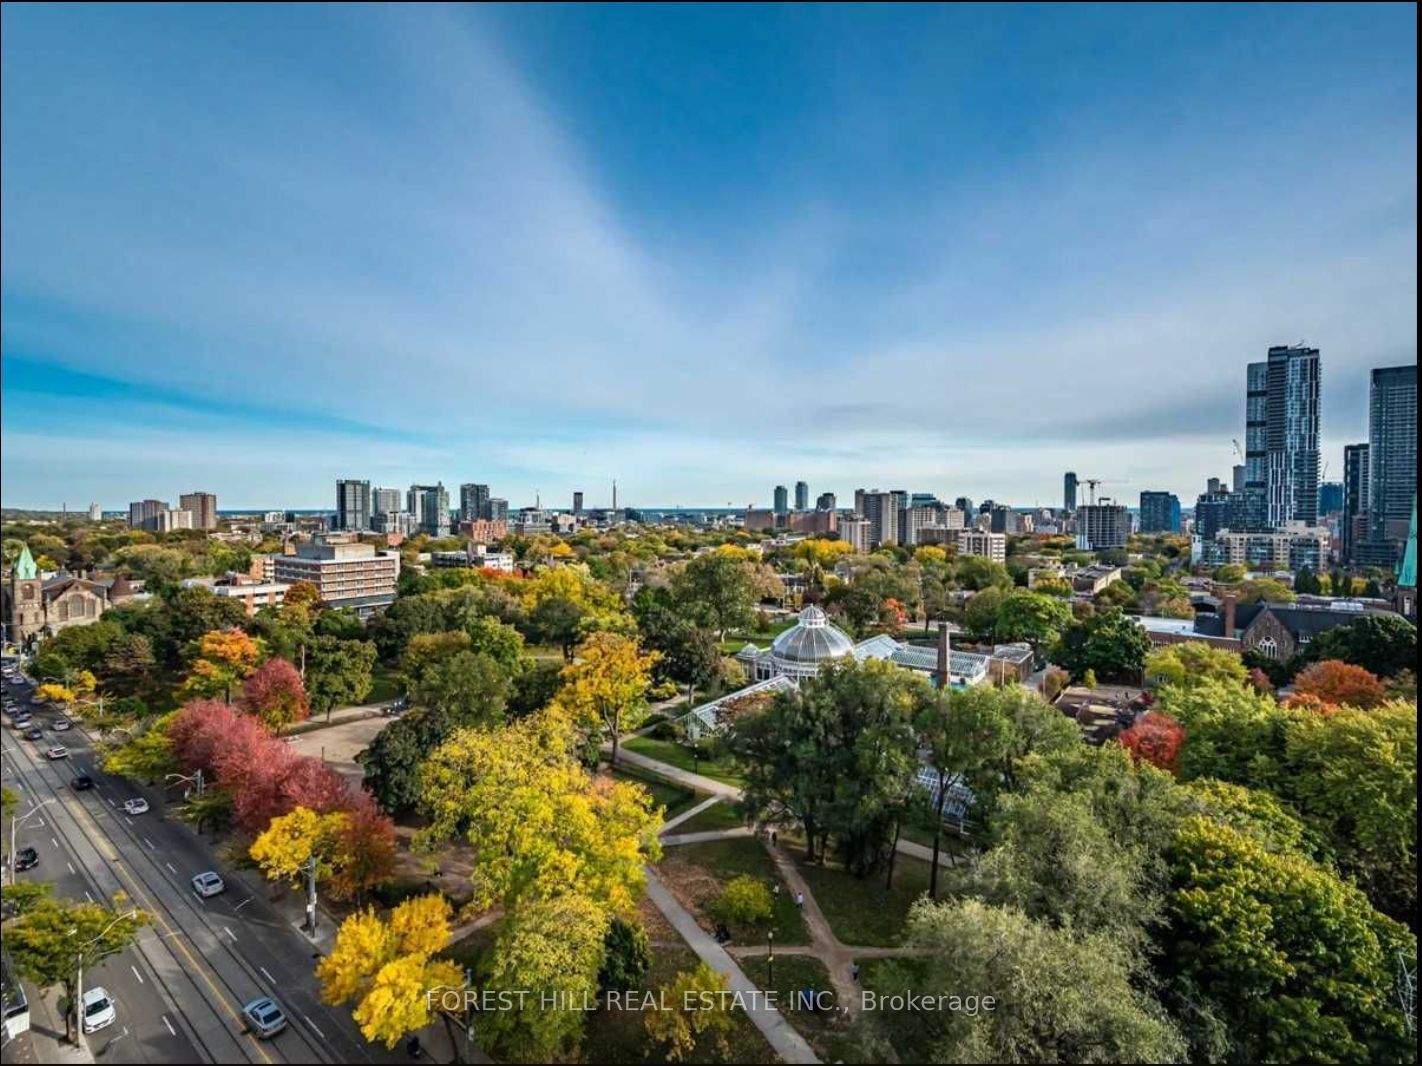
(264, 1017)
(208, 884)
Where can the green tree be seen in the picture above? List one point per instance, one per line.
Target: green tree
(627, 955)
(470, 687)
(1232, 732)
(718, 589)
(1385, 644)
(1032, 617)
(55, 937)
(338, 673)
(1058, 995)
(1191, 663)
(744, 901)
(976, 572)
(1109, 643)
(1290, 958)
(394, 756)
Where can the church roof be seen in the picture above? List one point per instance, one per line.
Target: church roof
(25, 568)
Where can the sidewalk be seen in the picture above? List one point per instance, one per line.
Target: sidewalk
(779, 1033)
(45, 1042)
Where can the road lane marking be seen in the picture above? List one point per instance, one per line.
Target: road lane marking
(170, 867)
(54, 842)
(71, 868)
(127, 819)
(239, 906)
(150, 844)
(230, 933)
(268, 976)
(169, 1024)
(313, 1026)
(87, 896)
(134, 968)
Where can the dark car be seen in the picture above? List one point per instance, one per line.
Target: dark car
(26, 859)
(82, 783)
(33, 733)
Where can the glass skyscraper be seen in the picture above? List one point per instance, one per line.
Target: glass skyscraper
(1392, 458)
(1281, 438)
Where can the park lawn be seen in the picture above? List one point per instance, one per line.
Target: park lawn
(795, 974)
(621, 1036)
(922, 833)
(680, 756)
(721, 815)
(672, 797)
(386, 684)
(862, 911)
(699, 872)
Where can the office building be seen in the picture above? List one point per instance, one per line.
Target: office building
(386, 501)
(473, 502)
(173, 518)
(1068, 492)
(913, 519)
(802, 496)
(430, 506)
(1330, 497)
(346, 574)
(1160, 512)
(825, 501)
(203, 505)
(1238, 480)
(855, 532)
(1101, 526)
(1212, 512)
(1356, 474)
(782, 500)
(1392, 459)
(353, 506)
(1281, 437)
(498, 509)
(401, 522)
(578, 504)
(143, 514)
(96, 513)
(986, 544)
(883, 517)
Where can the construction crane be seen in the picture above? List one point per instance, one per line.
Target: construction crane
(1237, 449)
(1092, 482)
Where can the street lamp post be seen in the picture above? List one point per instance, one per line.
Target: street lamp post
(770, 957)
(79, 1040)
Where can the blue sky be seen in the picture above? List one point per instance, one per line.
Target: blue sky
(701, 250)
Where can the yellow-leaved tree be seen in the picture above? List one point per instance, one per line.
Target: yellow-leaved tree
(556, 947)
(696, 1009)
(389, 968)
(221, 658)
(287, 845)
(605, 687)
(538, 824)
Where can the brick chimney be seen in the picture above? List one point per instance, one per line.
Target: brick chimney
(940, 676)
(1230, 603)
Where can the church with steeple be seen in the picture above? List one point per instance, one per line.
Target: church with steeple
(35, 607)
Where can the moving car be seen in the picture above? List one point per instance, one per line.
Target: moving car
(59, 751)
(26, 859)
(208, 884)
(34, 732)
(98, 1010)
(59, 725)
(135, 806)
(22, 720)
(264, 1017)
(82, 783)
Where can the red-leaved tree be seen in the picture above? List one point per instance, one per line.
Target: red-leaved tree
(1341, 684)
(276, 694)
(1155, 738)
(366, 844)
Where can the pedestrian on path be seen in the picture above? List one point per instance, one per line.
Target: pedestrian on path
(774, 837)
(854, 971)
(800, 900)
(775, 890)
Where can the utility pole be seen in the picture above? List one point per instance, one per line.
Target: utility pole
(311, 896)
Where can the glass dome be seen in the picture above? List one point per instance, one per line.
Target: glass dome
(800, 651)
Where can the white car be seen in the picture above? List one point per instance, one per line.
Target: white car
(208, 884)
(135, 806)
(98, 1010)
(59, 751)
(59, 725)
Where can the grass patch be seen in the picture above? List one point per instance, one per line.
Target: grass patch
(385, 684)
(621, 1036)
(673, 797)
(701, 871)
(721, 815)
(793, 975)
(680, 756)
(861, 910)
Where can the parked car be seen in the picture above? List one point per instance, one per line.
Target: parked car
(208, 884)
(98, 1009)
(82, 783)
(59, 751)
(264, 1017)
(59, 725)
(26, 859)
(138, 805)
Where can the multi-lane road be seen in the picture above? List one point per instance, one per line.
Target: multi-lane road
(179, 990)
